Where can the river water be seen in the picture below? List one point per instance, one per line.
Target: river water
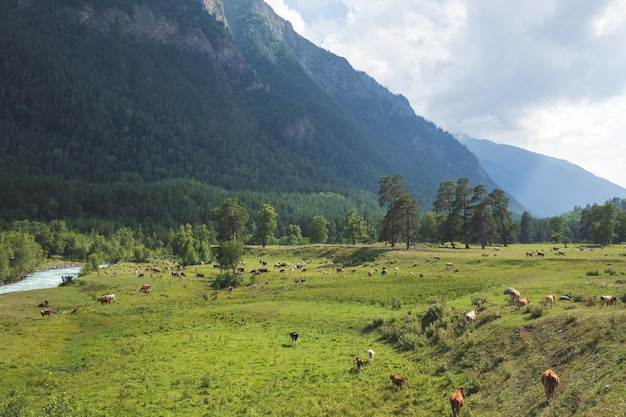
(50, 278)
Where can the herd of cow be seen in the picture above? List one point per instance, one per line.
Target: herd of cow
(549, 378)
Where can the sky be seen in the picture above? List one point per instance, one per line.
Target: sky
(548, 76)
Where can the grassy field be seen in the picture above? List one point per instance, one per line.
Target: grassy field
(187, 349)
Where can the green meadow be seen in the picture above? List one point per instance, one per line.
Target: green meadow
(189, 349)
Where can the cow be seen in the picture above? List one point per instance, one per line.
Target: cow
(550, 381)
(230, 288)
(370, 355)
(456, 401)
(607, 299)
(449, 264)
(396, 270)
(471, 316)
(360, 363)
(370, 273)
(105, 299)
(529, 254)
(45, 313)
(146, 288)
(384, 271)
(111, 296)
(550, 299)
(522, 302)
(294, 337)
(514, 295)
(397, 381)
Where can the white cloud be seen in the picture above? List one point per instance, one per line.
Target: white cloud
(548, 76)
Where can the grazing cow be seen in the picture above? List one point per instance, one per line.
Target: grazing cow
(199, 275)
(384, 271)
(456, 401)
(514, 295)
(550, 299)
(230, 288)
(146, 289)
(397, 381)
(370, 355)
(360, 363)
(111, 296)
(45, 313)
(529, 254)
(550, 381)
(396, 270)
(411, 274)
(294, 337)
(522, 302)
(607, 299)
(540, 253)
(561, 253)
(471, 316)
(370, 273)
(105, 299)
(449, 264)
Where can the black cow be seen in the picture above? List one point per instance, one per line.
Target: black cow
(294, 337)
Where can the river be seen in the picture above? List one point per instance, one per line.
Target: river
(49, 278)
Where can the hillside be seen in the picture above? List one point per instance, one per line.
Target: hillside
(189, 349)
(226, 94)
(546, 186)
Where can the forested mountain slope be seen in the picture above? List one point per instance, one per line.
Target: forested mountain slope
(226, 94)
(546, 186)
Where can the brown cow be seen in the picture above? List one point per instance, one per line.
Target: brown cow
(550, 299)
(397, 381)
(360, 363)
(45, 313)
(105, 299)
(514, 295)
(522, 302)
(550, 381)
(456, 401)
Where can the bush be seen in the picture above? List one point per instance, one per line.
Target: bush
(480, 301)
(396, 304)
(226, 279)
(594, 273)
(535, 311)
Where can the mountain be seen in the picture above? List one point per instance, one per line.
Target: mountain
(224, 93)
(546, 186)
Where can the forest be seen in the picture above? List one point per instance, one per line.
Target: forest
(137, 224)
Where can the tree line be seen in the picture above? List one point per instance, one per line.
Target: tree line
(461, 213)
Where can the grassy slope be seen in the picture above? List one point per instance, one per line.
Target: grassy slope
(189, 350)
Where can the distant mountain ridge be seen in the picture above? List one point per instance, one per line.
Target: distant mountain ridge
(547, 186)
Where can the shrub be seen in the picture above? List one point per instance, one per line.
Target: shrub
(594, 273)
(226, 279)
(536, 311)
(205, 381)
(396, 304)
(480, 301)
(610, 271)
(433, 314)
